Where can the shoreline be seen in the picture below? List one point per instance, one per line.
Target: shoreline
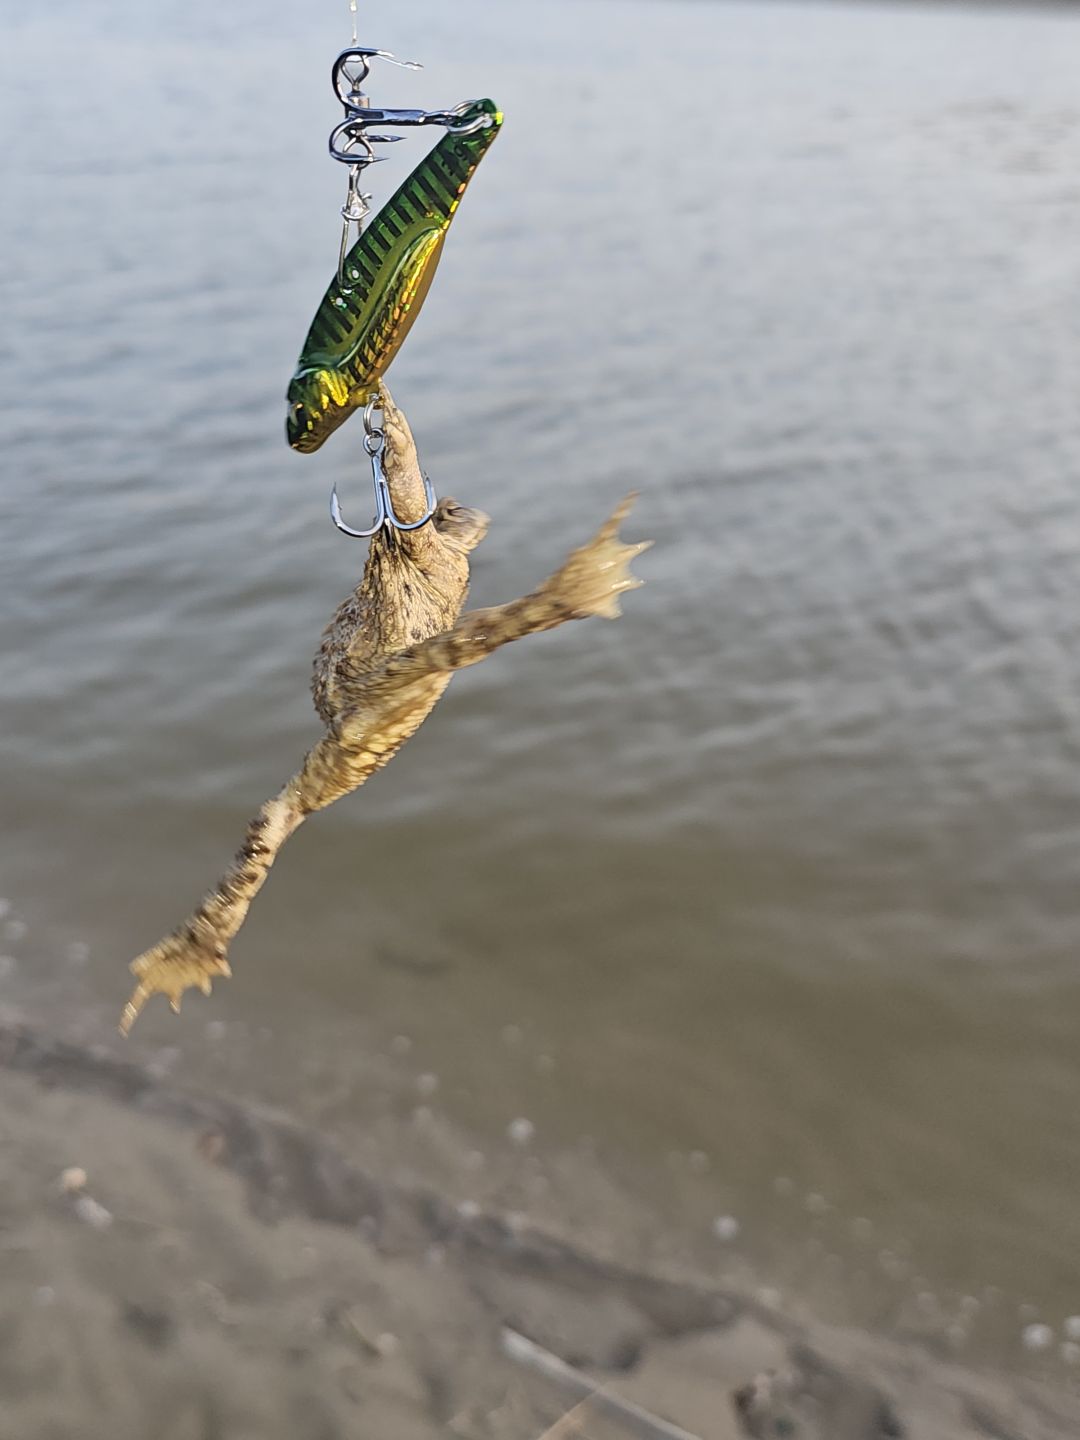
(223, 1270)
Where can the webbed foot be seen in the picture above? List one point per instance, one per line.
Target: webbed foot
(594, 576)
(175, 964)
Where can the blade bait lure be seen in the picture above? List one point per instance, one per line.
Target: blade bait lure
(383, 280)
(368, 310)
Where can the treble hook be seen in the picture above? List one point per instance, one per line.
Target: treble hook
(353, 66)
(375, 444)
(351, 140)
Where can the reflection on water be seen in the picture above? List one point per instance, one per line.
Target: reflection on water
(780, 871)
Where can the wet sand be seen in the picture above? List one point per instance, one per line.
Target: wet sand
(222, 1271)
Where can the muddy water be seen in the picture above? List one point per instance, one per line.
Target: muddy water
(766, 896)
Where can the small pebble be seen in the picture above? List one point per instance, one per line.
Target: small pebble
(1072, 1327)
(545, 1064)
(1070, 1352)
(73, 1179)
(44, 1294)
(1036, 1337)
(783, 1187)
(163, 1061)
(817, 1204)
(468, 1209)
(8, 966)
(400, 1045)
(698, 1162)
(216, 1029)
(387, 1344)
(211, 1145)
(5, 908)
(521, 1131)
(511, 1036)
(957, 1336)
(427, 1084)
(725, 1227)
(78, 952)
(91, 1213)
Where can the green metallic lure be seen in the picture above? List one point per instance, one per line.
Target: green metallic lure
(361, 323)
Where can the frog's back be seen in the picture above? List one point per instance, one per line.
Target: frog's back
(396, 604)
(414, 584)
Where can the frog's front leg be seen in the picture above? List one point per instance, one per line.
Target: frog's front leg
(589, 582)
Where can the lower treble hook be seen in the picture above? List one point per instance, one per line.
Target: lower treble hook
(375, 444)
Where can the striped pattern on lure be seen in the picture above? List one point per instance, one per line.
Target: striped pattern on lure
(360, 326)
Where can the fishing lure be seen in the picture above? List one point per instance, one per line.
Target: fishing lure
(382, 281)
(372, 303)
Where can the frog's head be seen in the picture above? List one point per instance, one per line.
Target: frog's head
(318, 401)
(460, 526)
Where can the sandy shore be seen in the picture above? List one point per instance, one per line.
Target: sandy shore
(222, 1273)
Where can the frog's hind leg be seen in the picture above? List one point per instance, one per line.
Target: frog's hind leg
(196, 952)
(170, 967)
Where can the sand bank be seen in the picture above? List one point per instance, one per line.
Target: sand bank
(219, 1272)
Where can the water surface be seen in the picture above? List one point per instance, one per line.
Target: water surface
(768, 891)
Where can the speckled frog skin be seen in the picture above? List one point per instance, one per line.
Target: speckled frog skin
(385, 659)
(414, 583)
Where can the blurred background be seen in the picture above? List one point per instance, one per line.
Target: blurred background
(761, 904)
